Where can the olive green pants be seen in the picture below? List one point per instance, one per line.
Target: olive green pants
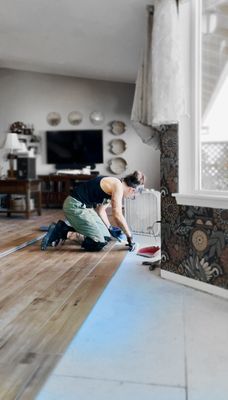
(85, 220)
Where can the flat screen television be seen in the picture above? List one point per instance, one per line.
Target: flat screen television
(74, 148)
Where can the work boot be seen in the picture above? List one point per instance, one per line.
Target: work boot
(63, 229)
(56, 233)
(50, 237)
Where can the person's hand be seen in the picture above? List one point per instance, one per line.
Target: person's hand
(130, 243)
(116, 232)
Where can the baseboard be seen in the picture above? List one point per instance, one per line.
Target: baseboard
(204, 287)
(20, 246)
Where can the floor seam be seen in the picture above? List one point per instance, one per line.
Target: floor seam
(122, 381)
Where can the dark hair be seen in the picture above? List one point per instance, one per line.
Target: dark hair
(135, 179)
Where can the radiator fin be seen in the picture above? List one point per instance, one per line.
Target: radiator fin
(142, 213)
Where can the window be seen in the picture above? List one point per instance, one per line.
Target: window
(213, 94)
(203, 132)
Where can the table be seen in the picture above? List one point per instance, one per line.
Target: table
(26, 187)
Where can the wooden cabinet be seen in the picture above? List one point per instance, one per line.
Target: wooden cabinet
(28, 188)
(55, 188)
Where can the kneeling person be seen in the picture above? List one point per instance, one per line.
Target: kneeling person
(85, 209)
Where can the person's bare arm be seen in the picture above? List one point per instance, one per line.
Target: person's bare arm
(101, 211)
(117, 214)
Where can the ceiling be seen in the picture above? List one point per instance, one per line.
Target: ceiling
(99, 39)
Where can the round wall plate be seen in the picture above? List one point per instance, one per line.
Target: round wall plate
(75, 117)
(53, 118)
(117, 146)
(118, 127)
(117, 165)
(96, 117)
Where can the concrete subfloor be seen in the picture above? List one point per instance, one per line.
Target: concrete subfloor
(146, 338)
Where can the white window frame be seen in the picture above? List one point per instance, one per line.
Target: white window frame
(191, 194)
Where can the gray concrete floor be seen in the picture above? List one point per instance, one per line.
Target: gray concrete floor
(148, 339)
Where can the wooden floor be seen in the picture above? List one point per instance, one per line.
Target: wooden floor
(17, 230)
(44, 299)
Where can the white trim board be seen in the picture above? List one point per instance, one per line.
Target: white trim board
(20, 246)
(203, 286)
(202, 200)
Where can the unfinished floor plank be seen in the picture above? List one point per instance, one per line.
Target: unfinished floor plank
(70, 316)
(31, 285)
(30, 370)
(46, 296)
(21, 329)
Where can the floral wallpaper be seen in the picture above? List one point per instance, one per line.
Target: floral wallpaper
(194, 239)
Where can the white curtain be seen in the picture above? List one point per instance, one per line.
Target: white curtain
(158, 96)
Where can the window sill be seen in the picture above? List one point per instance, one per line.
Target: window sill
(202, 200)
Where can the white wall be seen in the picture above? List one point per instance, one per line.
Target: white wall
(29, 97)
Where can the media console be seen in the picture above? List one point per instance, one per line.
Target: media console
(55, 188)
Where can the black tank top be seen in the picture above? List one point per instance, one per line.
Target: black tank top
(90, 192)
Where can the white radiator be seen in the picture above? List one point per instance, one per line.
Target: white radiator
(143, 212)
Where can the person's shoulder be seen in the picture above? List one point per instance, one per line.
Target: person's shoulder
(112, 182)
(113, 179)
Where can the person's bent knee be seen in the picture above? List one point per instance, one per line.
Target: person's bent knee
(90, 245)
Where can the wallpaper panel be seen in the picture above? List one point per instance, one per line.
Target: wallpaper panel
(194, 239)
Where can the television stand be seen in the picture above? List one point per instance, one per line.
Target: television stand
(56, 187)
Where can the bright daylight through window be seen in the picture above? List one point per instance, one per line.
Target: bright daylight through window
(214, 95)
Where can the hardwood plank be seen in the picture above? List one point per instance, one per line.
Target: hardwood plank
(60, 329)
(15, 231)
(20, 330)
(109, 267)
(22, 242)
(30, 286)
(44, 299)
(44, 366)
(29, 372)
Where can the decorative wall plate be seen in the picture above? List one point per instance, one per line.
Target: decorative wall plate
(117, 165)
(75, 117)
(117, 146)
(96, 117)
(118, 127)
(53, 118)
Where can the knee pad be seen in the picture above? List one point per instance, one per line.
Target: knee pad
(90, 245)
